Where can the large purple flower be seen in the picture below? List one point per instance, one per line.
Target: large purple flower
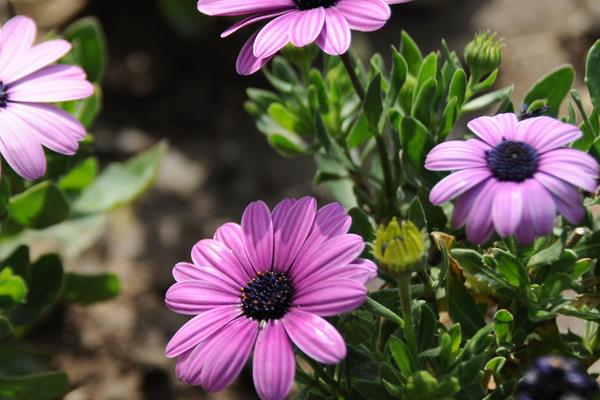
(27, 81)
(513, 177)
(264, 285)
(299, 22)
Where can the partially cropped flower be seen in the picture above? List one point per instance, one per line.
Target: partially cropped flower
(399, 247)
(557, 378)
(513, 177)
(262, 286)
(27, 82)
(299, 22)
(484, 53)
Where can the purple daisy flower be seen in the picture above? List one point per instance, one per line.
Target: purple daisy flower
(27, 81)
(513, 177)
(262, 286)
(299, 22)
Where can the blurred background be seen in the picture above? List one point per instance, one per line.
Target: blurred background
(171, 77)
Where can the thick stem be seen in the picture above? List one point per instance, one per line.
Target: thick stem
(358, 87)
(406, 300)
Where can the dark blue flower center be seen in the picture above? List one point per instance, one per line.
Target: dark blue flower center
(268, 296)
(3, 95)
(308, 4)
(513, 161)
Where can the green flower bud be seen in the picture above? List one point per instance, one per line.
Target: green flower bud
(400, 247)
(484, 54)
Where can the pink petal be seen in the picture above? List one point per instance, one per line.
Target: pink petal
(52, 84)
(247, 63)
(570, 173)
(479, 222)
(290, 230)
(16, 37)
(361, 270)
(364, 15)
(456, 184)
(584, 161)
(274, 35)
(20, 147)
(230, 234)
(337, 251)
(574, 213)
(54, 128)
(331, 220)
(199, 328)
(195, 297)
(183, 363)
(539, 212)
(493, 129)
(36, 58)
(559, 188)
(457, 154)
(249, 21)
(185, 271)
(227, 354)
(331, 297)
(258, 235)
(274, 365)
(507, 207)
(214, 254)
(464, 204)
(335, 36)
(546, 133)
(241, 7)
(306, 26)
(316, 337)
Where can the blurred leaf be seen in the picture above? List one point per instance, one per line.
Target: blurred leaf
(87, 36)
(458, 86)
(88, 289)
(415, 140)
(592, 74)
(321, 89)
(379, 309)
(45, 282)
(398, 76)
(361, 225)
(5, 328)
(12, 289)
(416, 213)
(86, 110)
(121, 183)
(283, 117)
(18, 261)
(462, 307)
(359, 134)
(422, 108)
(372, 390)
(554, 87)
(402, 357)
(286, 146)
(589, 247)
(44, 386)
(40, 206)
(425, 327)
(80, 176)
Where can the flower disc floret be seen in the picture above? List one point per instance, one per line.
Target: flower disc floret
(267, 296)
(513, 161)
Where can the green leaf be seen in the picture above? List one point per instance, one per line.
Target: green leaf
(449, 118)
(88, 289)
(554, 88)
(458, 86)
(462, 307)
(510, 267)
(87, 36)
(86, 110)
(283, 117)
(286, 145)
(592, 74)
(12, 288)
(402, 357)
(589, 247)
(321, 89)
(398, 76)
(425, 327)
(121, 183)
(5, 328)
(39, 206)
(359, 134)
(373, 103)
(382, 311)
(411, 53)
(370, 389)
(427, 71)
(488, 100)
(44, 386)
(361, 225)
(547, 256)
(423, 105)
(416, 213)
(415, 141)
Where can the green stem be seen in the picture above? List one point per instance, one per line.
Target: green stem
(358, 87)
(406, 300)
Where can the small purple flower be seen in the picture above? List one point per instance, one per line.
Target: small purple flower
(299, 22)
(513, 177)
(264, 285)
(27, 81)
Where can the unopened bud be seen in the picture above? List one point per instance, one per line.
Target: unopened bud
(400, 247)
(484, 53)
